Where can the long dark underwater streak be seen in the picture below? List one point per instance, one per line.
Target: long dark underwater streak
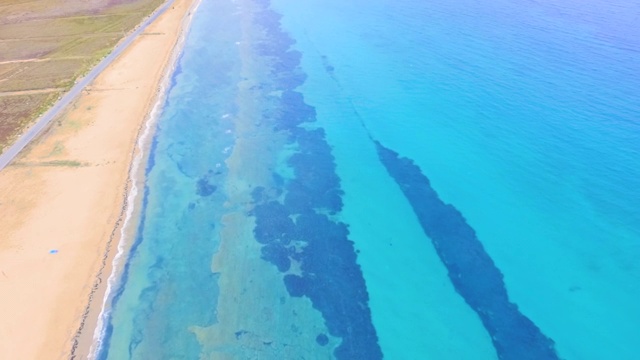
(329, 273)
(471, 270)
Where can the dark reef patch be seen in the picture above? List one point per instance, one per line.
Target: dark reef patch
(322, 339)
(204, 188)
(298, 226)
(333, 281)
(472, 272)
(296, 285)
(287, 61)
(258, 194)
(273, 223)
(316, 184)
(278, 255)
(330, 69)
(294, 111)
(239, 334)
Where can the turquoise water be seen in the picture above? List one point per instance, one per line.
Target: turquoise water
(407, 180)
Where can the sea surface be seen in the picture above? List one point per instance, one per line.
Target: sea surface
(409, 179)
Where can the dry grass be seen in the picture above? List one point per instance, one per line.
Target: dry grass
(41, 75)
(18, 111)
(47, 44)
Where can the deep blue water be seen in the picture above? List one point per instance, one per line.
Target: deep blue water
(407, 180)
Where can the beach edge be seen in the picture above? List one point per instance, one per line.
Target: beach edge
(96, 312)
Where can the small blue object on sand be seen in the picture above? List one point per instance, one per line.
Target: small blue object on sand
(53, 251)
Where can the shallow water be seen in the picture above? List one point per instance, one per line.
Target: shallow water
(416, 179)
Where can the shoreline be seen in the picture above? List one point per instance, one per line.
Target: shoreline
(60, 223)
(128, 222)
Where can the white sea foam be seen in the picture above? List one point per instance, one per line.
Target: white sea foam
(123, 243)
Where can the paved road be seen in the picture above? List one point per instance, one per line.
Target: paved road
(11, 152)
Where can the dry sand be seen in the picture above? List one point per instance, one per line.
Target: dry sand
(66, 193)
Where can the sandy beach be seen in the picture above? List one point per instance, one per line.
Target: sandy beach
(61, 200)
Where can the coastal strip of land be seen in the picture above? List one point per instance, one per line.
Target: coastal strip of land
(9, 154)
(49, 46)
(62, 197)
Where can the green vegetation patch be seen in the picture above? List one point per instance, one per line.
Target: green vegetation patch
(52, 163)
